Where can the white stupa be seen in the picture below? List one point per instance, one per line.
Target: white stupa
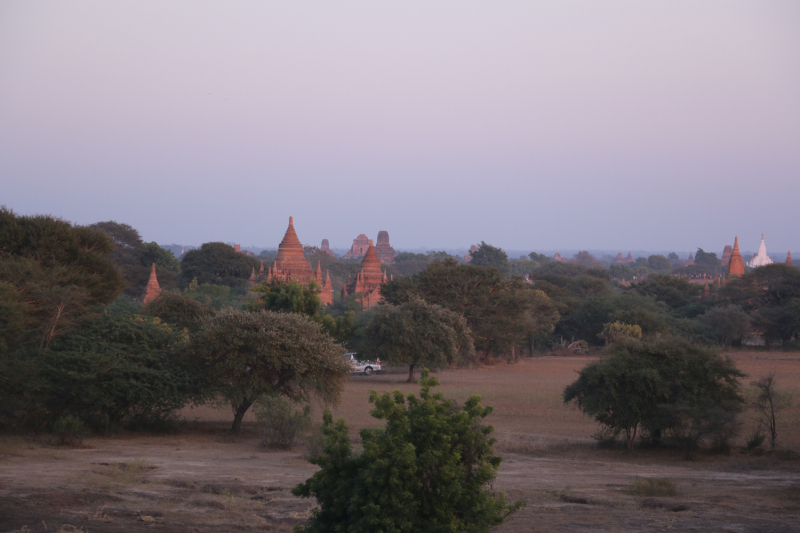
(761, 258)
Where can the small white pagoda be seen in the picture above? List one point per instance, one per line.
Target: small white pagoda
(761, 258)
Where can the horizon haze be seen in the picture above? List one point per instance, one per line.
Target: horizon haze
(546, 126)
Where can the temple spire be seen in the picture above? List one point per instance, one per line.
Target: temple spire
(736, 263)
(153, 288)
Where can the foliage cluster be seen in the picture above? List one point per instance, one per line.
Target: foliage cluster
(427, 469)
(664, 387)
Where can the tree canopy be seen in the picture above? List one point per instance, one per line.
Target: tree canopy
(249, 355)
(663, 385)
(217, 263)
(416, 333)
(51, 274)
(489, 256)
(500, 312)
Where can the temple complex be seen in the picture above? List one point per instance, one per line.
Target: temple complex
(468, 254)
(761, 258)
(383, 249)
(153, 288)
(690, 260)
(736, 264)
(558, 259)
(326, 248)
(291, 264)
(368, 280)
(789, 259)
(623, 260)
(359, 248)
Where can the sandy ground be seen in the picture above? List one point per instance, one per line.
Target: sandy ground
(202, 479)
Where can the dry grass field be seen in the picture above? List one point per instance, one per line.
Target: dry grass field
(202, 479)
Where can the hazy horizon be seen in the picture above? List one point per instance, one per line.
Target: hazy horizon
(554, 125)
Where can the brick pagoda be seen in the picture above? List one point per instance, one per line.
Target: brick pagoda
(153, 288)
(291, 264)
(736, 263)
(368, 280)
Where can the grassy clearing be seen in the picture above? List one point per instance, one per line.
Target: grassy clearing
(652, 487)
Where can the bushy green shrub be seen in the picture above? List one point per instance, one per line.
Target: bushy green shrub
(427, 469)
(280, 423)
(69, 430)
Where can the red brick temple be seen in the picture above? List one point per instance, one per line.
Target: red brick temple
(736, 263)
(368, 280)
(384, 250)
(359, 248)
(291, 264)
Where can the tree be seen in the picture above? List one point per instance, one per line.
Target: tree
(667, 384)
(708, 260)
(51, 273)
(659, 263)
(247, 356)
(771, 296)
(488, 256)
(586, 259)
(619, 331)
(727, 324)
(287, 297)
(768, 402)
(427, 469)
(620, 272)
(501, 313)
(417, 333)
(178, 310)
(134, 258)
(676, 292)
(116, 368)
(217, 263)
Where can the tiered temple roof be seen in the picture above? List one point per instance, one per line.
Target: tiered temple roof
(789, 259)
(736, 264)
(153, 288)
(368, 280)
(291, 264)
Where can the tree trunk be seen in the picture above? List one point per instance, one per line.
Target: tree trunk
(632, 437)
(411, 373)
(238, 415)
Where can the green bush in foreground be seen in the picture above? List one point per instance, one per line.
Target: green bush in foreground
(426, 470)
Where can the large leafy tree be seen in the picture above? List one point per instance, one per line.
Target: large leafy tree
(416, 333)
(771, 296)
(51, 275)
(667, 384)
(248, 355)
(105, 371)
(217, 263)
(490, 256)
(501, 313)
(134, 258)
(178, 310)
(428, 469)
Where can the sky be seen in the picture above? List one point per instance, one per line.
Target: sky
(529, 125)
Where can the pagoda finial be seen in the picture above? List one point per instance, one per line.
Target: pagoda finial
(291, 221)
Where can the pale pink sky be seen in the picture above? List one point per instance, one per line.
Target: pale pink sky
(530, 125)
